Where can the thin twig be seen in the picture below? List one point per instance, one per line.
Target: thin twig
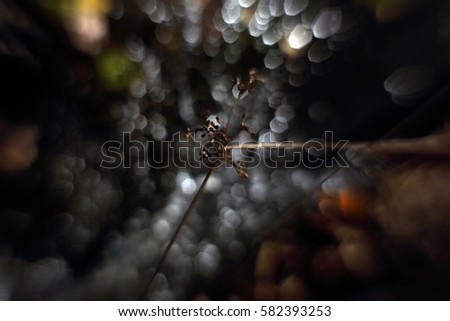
(292, 145)
(181, 224)
(194, 201)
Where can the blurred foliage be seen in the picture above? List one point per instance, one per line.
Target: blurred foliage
(66, 8)
(115, 69)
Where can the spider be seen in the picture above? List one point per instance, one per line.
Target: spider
(215, 152)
